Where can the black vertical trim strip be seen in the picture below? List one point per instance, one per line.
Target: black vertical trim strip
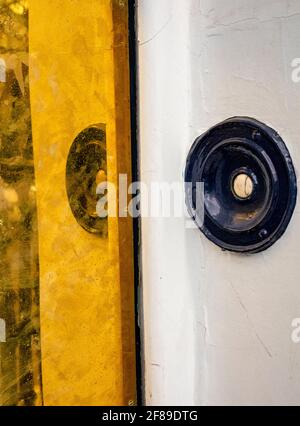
(133, 58)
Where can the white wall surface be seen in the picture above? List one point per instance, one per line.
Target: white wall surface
(217, 325)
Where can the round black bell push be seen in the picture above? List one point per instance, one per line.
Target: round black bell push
(249, 186)
(86, 164)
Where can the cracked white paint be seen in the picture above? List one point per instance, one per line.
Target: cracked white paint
(217, 326)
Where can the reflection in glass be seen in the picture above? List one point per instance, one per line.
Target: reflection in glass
(19, 276)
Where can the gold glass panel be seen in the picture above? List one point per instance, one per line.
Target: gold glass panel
(66, 278)
(20, 382)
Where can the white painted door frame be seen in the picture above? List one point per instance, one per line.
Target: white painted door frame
(217, 325)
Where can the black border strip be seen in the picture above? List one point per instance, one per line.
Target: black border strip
(133, 61)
